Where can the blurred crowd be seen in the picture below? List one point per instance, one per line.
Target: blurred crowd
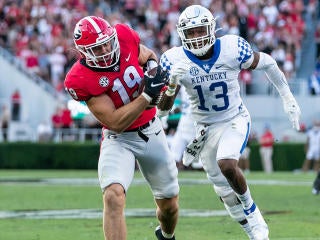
(39, 32)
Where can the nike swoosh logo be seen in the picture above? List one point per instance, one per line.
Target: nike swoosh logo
(156, 84)
(157, 133)
(127, 58)
(219, 66)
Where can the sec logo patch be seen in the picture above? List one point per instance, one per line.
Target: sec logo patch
(104, 81)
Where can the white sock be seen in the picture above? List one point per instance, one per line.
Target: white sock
(247, 229)
(246, 199)
(167, 235)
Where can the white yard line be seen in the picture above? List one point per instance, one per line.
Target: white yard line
(139, 181)
(97, 213)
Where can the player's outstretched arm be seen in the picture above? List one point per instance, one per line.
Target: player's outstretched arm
(265, 62)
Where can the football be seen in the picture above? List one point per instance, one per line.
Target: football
(166, 102)
(152, 72)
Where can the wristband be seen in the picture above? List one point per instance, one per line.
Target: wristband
(147, 97)
(170, 92)
(162, 113)
(171, 89)
(150, 64)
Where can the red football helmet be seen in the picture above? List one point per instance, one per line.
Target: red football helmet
(97, 41)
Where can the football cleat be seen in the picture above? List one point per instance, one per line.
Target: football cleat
(159, 235)
(316, 185)
(258, 226)
(315, 191)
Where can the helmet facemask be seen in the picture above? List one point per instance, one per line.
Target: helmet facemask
(97, 41)
(193, 21)
(103, 54)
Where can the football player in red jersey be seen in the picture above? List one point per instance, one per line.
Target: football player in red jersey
(108, 77)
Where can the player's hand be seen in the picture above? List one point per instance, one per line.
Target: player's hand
(292, 109)
(176, 73)
(154, 84)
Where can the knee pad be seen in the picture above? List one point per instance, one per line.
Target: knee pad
(231, 203)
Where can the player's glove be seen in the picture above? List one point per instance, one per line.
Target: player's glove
(177, 71)
(292, 108)
(150, 64)
(154, 84)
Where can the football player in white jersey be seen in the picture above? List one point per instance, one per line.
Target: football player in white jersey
(208, 68)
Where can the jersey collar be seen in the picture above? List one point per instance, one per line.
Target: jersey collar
(206, 65)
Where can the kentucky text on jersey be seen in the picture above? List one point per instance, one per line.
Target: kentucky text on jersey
(210, 77)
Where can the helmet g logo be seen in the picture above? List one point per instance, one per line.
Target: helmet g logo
(77, 33)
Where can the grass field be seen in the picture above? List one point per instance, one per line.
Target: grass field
(36, 205)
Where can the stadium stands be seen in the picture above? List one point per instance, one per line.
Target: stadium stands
(36, 38)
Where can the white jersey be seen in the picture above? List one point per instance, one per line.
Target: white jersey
(185, 104)
(186, 130)
(212, 85)
(313, 151)
(186, 122)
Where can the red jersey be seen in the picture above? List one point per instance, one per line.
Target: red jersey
(266, 139)
(16, 98)
(66, 118)
(56, 121)
(120, 82)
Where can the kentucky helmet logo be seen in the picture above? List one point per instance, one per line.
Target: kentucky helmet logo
(104, 81)
(77, 33)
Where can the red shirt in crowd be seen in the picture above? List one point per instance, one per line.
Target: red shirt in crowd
(66, 118)
(16, 98)
(267, 139)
